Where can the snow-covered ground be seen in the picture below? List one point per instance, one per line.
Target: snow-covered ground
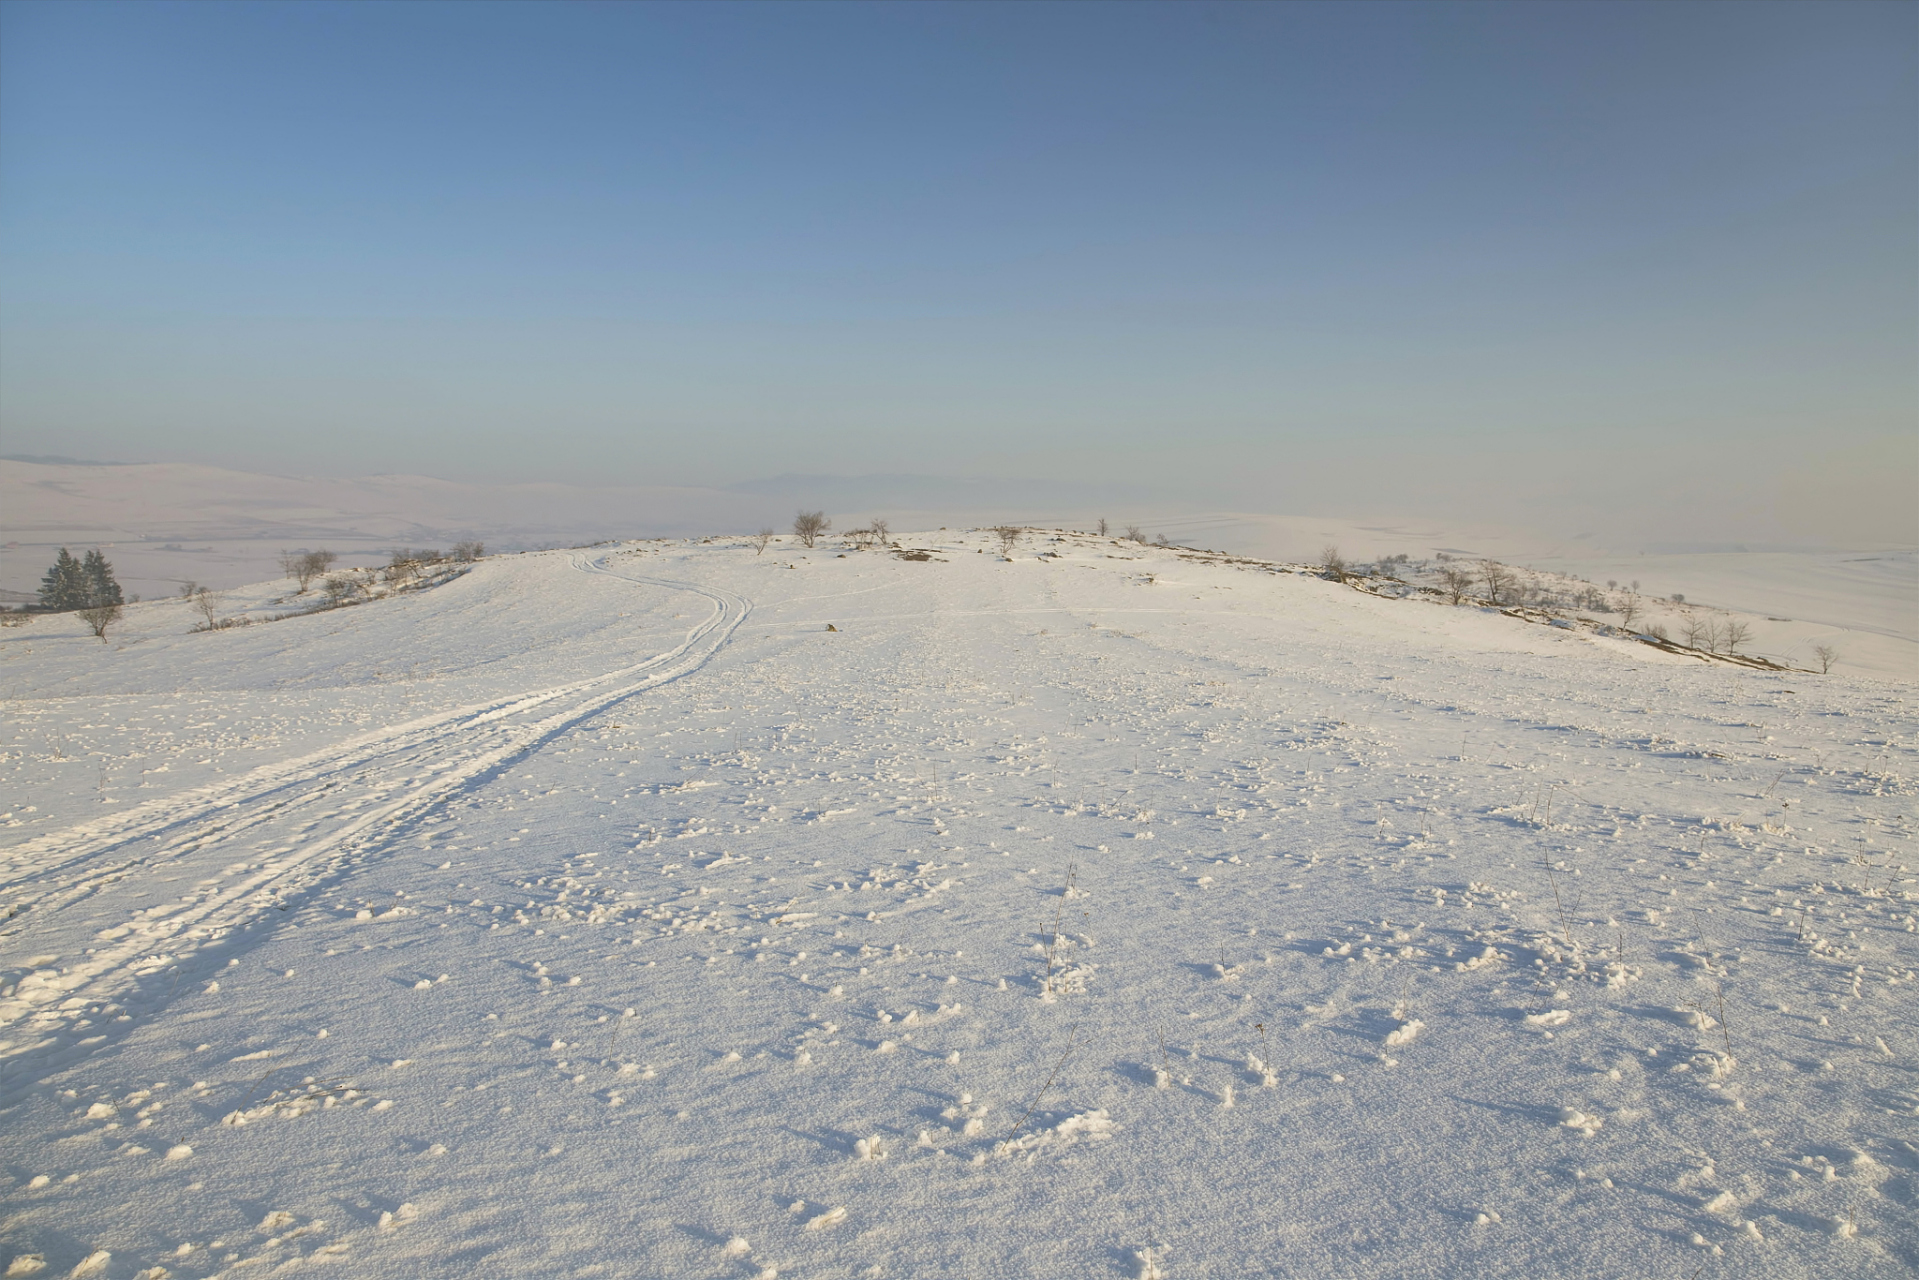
(666, 909)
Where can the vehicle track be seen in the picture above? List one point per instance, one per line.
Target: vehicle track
(313, 819)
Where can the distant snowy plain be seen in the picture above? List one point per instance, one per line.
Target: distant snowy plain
(668, 909)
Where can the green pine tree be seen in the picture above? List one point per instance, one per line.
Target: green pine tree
(65, 585)
(100, 586)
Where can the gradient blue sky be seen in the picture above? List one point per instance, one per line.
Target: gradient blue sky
(1652, 261)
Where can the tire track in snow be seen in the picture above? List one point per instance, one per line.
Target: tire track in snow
(398, 775)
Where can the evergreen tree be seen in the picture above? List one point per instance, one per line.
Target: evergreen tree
(65, 585)
(79, 584)
(100, 586)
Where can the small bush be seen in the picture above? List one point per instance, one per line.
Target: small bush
(1332, 563)
(342, 589)
(405, 564)
(99, 617)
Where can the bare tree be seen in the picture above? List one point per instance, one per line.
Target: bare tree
(1827, 655)
(1102, 526)
(99, 617)
(760, 541)
(1008, 536)
(304, 566)
(468, 552)
(1458, 583)
(1330, 561)
(809, 525)
(1499, 580)
(207, 605)
(1699, 632)
(882, 532)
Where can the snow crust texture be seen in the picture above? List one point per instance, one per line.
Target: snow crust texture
(668, 909)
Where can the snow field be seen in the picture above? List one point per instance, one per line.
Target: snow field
(1117, 912)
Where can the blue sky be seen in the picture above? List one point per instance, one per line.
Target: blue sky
(1641, 259)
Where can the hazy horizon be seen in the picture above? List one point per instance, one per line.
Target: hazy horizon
(1641, 271)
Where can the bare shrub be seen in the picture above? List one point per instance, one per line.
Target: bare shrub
(341, 589)
(1500, 581)
(1332, 563)
(304, 566)
(1008, 536)
(760, 541)
(99, 617)
(405, 563)
(809, 525)
(1457, 583)
(468, 552)
(1827, 655)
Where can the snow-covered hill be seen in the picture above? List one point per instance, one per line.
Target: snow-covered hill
(669, 909)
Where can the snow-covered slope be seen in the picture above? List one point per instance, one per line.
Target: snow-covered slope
(673, 910)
